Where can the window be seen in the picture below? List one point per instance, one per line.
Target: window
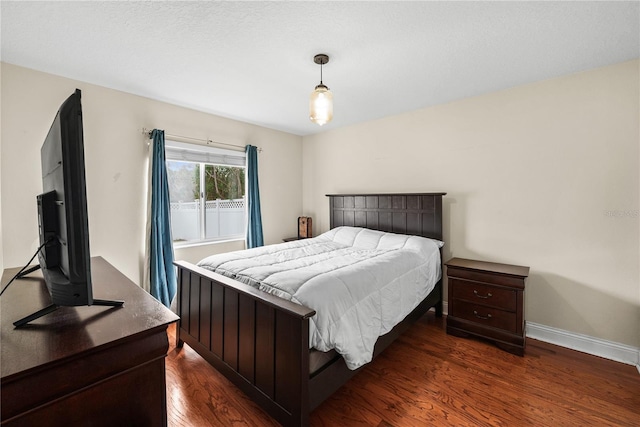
(206, 190)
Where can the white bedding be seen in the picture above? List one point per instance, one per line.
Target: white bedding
(360, 282)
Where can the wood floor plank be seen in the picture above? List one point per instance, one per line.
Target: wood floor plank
(430, 378)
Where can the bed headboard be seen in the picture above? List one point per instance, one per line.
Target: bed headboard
(417, 214)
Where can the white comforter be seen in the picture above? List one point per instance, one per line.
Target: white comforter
(360, 282)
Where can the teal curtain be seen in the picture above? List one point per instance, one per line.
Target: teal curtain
(254, 224)
(162, 273)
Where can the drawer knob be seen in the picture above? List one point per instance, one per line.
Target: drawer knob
(482, 296)
(481, 317)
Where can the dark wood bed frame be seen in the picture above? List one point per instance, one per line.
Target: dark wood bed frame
(261, 342)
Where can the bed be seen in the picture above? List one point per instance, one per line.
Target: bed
(261, 342)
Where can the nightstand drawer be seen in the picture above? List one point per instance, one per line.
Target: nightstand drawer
(479, 293)
(486, 300)
(483, 315)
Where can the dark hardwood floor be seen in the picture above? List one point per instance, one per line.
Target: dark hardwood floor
(428, 378)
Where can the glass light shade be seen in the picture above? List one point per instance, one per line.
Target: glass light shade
(321, 105)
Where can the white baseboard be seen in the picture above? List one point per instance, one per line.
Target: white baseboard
(598, 347)
(445, 308)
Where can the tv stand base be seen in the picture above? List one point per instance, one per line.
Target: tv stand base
(53, 307)
(38, 314)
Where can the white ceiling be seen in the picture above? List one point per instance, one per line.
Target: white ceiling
(253, 61)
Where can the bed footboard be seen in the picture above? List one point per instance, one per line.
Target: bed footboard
(258, 341)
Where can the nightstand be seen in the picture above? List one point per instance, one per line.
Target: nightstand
(486, 300)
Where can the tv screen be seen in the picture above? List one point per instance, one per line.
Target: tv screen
(62, 214)
(62, 209)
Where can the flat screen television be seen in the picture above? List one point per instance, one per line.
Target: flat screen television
(62, 215)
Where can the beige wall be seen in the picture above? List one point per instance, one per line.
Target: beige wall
(1, 240)
(116, 157)
(543, 175)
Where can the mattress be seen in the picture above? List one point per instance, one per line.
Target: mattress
(360, 282)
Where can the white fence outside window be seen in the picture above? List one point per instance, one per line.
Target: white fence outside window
(223, 218)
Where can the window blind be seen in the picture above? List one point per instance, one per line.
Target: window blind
(186, 152)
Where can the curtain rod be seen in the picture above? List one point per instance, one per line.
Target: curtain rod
(147, 132)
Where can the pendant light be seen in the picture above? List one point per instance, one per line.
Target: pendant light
(321, 100)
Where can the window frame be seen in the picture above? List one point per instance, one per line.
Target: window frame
(206, 155)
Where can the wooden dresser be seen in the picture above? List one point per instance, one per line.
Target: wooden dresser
(486, 300)
(81, 366)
